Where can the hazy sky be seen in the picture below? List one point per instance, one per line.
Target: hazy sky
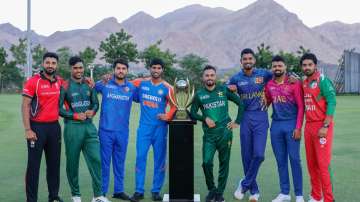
(49, 16)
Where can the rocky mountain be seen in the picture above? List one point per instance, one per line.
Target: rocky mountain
(216, 33)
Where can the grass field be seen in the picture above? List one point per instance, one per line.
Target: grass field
(346, 159)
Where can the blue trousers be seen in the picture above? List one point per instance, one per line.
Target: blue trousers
(155, 136)
(113, 145)
(286, 147)
(253, 135)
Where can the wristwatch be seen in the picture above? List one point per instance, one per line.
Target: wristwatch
(326, 125)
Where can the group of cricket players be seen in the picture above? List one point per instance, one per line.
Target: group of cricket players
(46, 96)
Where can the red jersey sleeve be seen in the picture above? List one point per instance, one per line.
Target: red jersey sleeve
(29, 89)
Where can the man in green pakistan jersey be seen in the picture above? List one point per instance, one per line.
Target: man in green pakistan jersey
(78, 104)
(212, 100)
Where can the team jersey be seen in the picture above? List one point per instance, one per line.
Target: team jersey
(45, 97)
(153, 99)
(251, 88)
(77, 97)
(214, 105)
(116, 104)
(287, 101)
(319, 97)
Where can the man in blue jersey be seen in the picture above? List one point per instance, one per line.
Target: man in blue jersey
(250, 82)
(153, 98)
(117, 96)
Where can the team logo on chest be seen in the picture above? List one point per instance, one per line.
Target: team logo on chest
(88, 93)
(313, 84)
(259, 80)
(160, 92)
(126, 89)
(220, 94)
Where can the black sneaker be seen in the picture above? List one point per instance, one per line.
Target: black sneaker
(210, 197)
(155, 196)
(122, 196)
(219, 198)
(56, 199)
(136, 197)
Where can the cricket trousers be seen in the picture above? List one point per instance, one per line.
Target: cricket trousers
(82, 137)
(49, 141)
(253, 135)
(113, 146)
(318, 156)
(286, 148)
(220, 141)
(155, 136)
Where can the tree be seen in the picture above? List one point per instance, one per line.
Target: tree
(37, 55)
(263, 56)
(10, 75)
(192, 66)
(19, 52)
(118, 45)
(88, 56)
(154, 51)
(63, 68)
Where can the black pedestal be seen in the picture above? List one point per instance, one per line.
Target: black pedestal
(181, 161)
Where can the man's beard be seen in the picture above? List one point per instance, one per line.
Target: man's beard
(50, 73)
(248, 66)
(210, 83)
(120, 77)
(309, 72)
(278, 73)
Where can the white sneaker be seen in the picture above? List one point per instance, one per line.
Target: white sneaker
(300, 199)
(254, 197)
(313, 200)
(100, 199)
(282, 198)
(76, 199)
(238, 194)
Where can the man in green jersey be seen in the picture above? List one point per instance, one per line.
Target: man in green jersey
(78, 104)
(212, 100)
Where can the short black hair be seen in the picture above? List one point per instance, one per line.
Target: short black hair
(207, 67)
(157, 61)
(74, 59)
(120, 61)
(278, 58)
(247, 51)
(50, 55)
(309, 56)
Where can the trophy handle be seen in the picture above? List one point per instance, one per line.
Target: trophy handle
(191, 96)
(171, 96)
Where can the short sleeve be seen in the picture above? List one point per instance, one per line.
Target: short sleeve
(29, 88)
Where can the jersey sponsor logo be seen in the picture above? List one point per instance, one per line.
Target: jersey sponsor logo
(213, 105)
(151, 97)
(110, 86)
(259, 80)
(160, 92)
(150, 104)
(279, 99)
(44, 86)
(117, 97)
(80, 104)
(145, 88)
(243, 83)
(310, 107)
(203, 97)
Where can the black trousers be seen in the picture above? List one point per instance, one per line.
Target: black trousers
(49, 140)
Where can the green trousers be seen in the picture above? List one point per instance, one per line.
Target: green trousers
(220, 141)
(82, 137)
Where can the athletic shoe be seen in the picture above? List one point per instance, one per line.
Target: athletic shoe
(210, 197)
(155, 196)
(100, 199)
(313, 200)
(76, 199)
(254, 197)
(219, 198)
(136, 197)
(122, 196)
(239, 193)
(282, 198)
(300, 199)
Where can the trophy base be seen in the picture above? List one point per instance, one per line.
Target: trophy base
(182, 115)
(166, 198)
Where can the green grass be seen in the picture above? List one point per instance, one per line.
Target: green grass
(346, 155)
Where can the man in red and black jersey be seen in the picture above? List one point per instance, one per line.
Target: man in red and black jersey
(40, 113)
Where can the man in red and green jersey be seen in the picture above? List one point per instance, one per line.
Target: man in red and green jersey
(212, 100)
(320, 102)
